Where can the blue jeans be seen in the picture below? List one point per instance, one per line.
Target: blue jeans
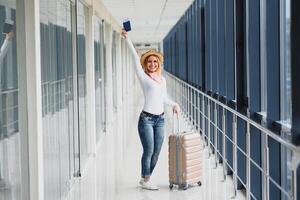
(151, 132)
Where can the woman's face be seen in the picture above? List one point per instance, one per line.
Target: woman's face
(152, 64)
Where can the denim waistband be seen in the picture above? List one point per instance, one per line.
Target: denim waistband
(152, 115)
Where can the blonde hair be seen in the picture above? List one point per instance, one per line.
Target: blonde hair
(146, 70)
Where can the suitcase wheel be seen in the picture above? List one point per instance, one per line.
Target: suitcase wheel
(184, 186)
(199, 183)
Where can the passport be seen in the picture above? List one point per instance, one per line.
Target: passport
(127, 26)
(7, 28)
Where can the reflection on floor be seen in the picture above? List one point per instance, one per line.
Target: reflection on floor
(113, 174)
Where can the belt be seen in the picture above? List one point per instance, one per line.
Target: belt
(152, 115)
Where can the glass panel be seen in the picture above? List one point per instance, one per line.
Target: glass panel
(70, 86)
(286, 105)
(57, 101)
(99, 78)
(10, 174)
(114, 70)
(123, 54)
(81, 70)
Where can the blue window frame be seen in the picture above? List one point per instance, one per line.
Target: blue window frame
(229, 53)
(208, 45)
(295, 70)
(273, 89)
(295, 75)
(221, 47)
(214, 47)
(241, 89)
(253, 63)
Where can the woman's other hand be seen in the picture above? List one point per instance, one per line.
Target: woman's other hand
(9, 35)
(124, 33)
(176, 109)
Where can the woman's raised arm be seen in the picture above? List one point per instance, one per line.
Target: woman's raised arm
(139, 70)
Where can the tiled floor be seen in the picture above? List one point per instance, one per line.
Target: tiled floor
(113, 174)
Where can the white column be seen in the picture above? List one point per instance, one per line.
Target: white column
(30, 103)
(90, 78)
(108, 74)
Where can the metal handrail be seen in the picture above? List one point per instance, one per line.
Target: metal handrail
(189, 97)
(253, 123)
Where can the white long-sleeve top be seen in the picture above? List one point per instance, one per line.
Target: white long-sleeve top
(155, 94)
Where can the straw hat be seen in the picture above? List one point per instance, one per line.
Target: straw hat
(151, 53)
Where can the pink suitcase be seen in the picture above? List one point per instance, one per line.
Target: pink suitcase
(185, 159)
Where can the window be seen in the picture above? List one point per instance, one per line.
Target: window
(82, 13)
(8, 76)
(285, 63)
(114, 69)
(99, 77)
(57, 96)
(285, 89)
(230, 50)
(10, 174)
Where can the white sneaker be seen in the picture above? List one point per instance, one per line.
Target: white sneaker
(149, 185)
(141, 181)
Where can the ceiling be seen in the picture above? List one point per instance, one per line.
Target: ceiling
(150, 20)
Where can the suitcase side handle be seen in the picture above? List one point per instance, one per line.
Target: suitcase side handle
(175, 119)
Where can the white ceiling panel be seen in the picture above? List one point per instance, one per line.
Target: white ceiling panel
(150, 20)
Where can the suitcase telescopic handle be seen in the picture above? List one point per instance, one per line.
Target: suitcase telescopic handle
(175, 119)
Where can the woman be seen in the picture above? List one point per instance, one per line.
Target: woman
(151, 122)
